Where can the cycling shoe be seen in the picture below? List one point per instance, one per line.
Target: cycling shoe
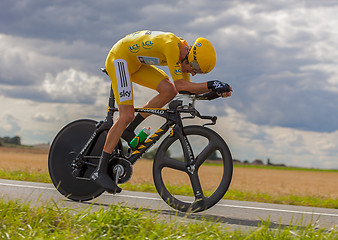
(104, 181)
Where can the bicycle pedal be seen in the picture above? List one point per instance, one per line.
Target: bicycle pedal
(117, 190)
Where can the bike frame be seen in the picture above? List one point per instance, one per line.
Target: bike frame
(174, 121)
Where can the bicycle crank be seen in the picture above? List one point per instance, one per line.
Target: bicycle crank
(120, 170)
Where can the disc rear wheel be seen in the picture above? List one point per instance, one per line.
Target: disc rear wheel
(65, 148)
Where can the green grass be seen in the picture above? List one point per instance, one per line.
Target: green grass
(25, 176)
(232, 194)
(20, 221)
(285, 168)
(310, 201)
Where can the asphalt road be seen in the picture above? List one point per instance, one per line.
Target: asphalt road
(234, 214)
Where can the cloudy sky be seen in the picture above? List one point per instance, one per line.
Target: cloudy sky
(279, 56)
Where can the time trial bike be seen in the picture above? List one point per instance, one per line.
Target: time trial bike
(195, 152)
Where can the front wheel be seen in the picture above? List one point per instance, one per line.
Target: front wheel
(208, 180)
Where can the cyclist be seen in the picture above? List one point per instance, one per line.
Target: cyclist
(132, 59)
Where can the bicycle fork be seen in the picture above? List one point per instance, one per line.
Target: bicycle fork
(190, 160)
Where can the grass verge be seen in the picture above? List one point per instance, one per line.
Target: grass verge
(25, 176)
(20, 221)
(232, 194)
(285, 168)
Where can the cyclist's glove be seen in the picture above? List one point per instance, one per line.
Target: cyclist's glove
(218, 86)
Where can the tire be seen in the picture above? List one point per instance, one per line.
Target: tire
(64, 149)
(208, 183)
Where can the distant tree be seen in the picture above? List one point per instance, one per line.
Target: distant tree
(16, 140)
(269, 162)
(236, 161)
(11, 140)
(258, 162)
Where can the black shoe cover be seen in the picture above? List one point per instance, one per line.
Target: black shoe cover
(104, 180)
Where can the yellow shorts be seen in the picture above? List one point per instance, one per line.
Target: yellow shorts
(123, 73)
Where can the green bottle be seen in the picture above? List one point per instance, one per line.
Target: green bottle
(140, 137)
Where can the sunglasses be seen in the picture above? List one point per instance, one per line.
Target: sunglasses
(193, 64)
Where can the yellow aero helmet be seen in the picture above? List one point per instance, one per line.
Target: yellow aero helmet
(202, 56)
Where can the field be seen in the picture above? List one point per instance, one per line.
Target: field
(275, 182)
(19, 221)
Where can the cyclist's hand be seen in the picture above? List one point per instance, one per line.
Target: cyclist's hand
(221, 88)
(226, 94)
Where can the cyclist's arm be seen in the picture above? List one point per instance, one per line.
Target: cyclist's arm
(182, 80)
(198, 88)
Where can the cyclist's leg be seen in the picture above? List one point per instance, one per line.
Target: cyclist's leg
(157, 79)
(126, 115)
(122, 87)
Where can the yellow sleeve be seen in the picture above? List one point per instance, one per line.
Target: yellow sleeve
(172, 55)
(174, 65)
(186, 76)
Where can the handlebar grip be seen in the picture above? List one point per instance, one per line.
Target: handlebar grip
(212, 118)
(208, 96)
(185, 92)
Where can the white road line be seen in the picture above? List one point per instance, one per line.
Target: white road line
(220, 205)
(26, 186)
(245, 207)
(279, 210)
(137, 197)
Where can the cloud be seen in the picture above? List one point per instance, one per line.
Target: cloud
(73, 86)
(38, 122)
(90, 21)
(43, 118)
(26, 60)
(281, 62)
(9, 124)
(280, 57)
(281, 144)
(43, 70)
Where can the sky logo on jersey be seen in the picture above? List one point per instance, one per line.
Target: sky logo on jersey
(134, 48)
(125, 94)
(147, 45)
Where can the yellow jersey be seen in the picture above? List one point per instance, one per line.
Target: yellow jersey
(152, 48)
